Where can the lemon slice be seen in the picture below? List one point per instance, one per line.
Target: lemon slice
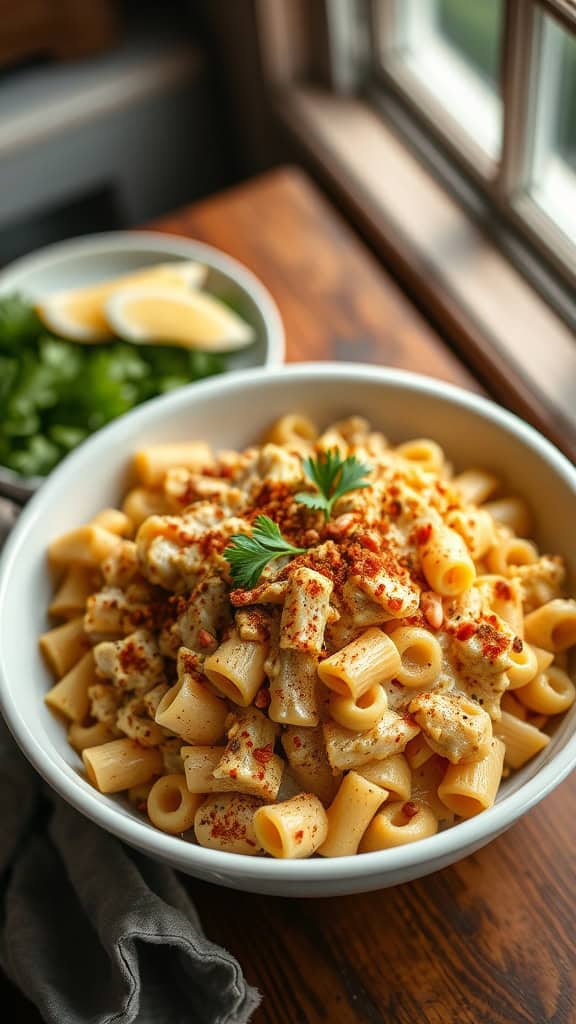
(190, 319)
(79, 314)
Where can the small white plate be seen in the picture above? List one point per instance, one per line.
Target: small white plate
(83, 261)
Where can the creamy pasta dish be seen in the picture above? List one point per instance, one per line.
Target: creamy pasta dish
(324, 644)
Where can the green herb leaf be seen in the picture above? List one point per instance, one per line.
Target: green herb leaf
(333, 477)
(19, 323)
(249, 556)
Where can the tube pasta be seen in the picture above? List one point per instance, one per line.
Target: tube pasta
(170, 806)
(549, 693)
(553, 626)
(361, 714)
(369, 660)
(392, 774)
(397, 824)
(349, 815)
(121, 764)
(64, 645)
(294, 828)
(226, 822)
(420, 656)
(236, 669)
(70, 696)
(521, 739)
(361, 695)
(305, 611)
(468, 789)
(445, 561)
(190, 709)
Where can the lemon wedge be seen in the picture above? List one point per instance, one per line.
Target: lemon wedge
(79, 313)
(192, 319)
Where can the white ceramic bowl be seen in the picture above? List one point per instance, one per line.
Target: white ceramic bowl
(83, 261)
(232, 411)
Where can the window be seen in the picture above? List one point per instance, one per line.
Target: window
(493, 84)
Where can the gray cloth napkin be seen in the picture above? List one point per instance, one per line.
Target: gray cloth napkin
(91, 931)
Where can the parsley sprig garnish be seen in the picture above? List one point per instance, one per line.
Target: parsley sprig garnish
(333, 477)
(249, 556)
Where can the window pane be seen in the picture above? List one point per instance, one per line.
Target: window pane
(554, 166)
(453, 48)
(474, 30)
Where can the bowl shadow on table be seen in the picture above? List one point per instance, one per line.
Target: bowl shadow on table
(459, 937)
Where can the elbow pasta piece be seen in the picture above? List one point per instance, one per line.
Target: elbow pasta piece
(170, 806)
(305, 611)
(226, 822)
(349, 815)
(361, 695)
(420, 656)
(549, 693)
(70, 599)
(397, 824)
(361, 714)
(64, 645)
(392, 774)
(70, 696)
(121, 764)
(445, 560)
(467, 789)
(372, 658)
(553, 626)
(236, 669)
(348, 749)
(294, 828)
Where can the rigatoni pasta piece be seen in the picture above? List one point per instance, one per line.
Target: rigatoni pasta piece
(294, 689)
(521, 739)
(418, 751)
(427, 454)
(121, 764)
(305, 612)
(69, 696)
(306, 754)
(420, 656)
(170, 805)
(190, 709)
(553, 626)
(291, 429)
(511, 512)
(504, 597)
(236, 668)
(425, 782)
(476, 527)
(64, 645)
(549, 693)
(86, 545)
(362, 610)
(294, 828)
(141, 502)
(397, 824)
(444, 559)
(372, 658)
(360, 714)
(467, 789)
(348, 749)
(82, 736)
(115, 521)
(226, 822)
(77, 584)
(199, 765)
(475, 485)
(523, 665)
(349, 815)
(249, 757)
(392, 774)
(152, 463)
(511, 551)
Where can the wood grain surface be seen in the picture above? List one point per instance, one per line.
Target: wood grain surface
(491, 939)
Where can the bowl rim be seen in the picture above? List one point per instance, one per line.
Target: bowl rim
(444, 845)
(134, 240)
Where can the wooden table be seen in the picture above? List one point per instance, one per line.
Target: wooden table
(491, 939)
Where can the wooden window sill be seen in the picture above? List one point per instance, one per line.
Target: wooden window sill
(523, 351)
